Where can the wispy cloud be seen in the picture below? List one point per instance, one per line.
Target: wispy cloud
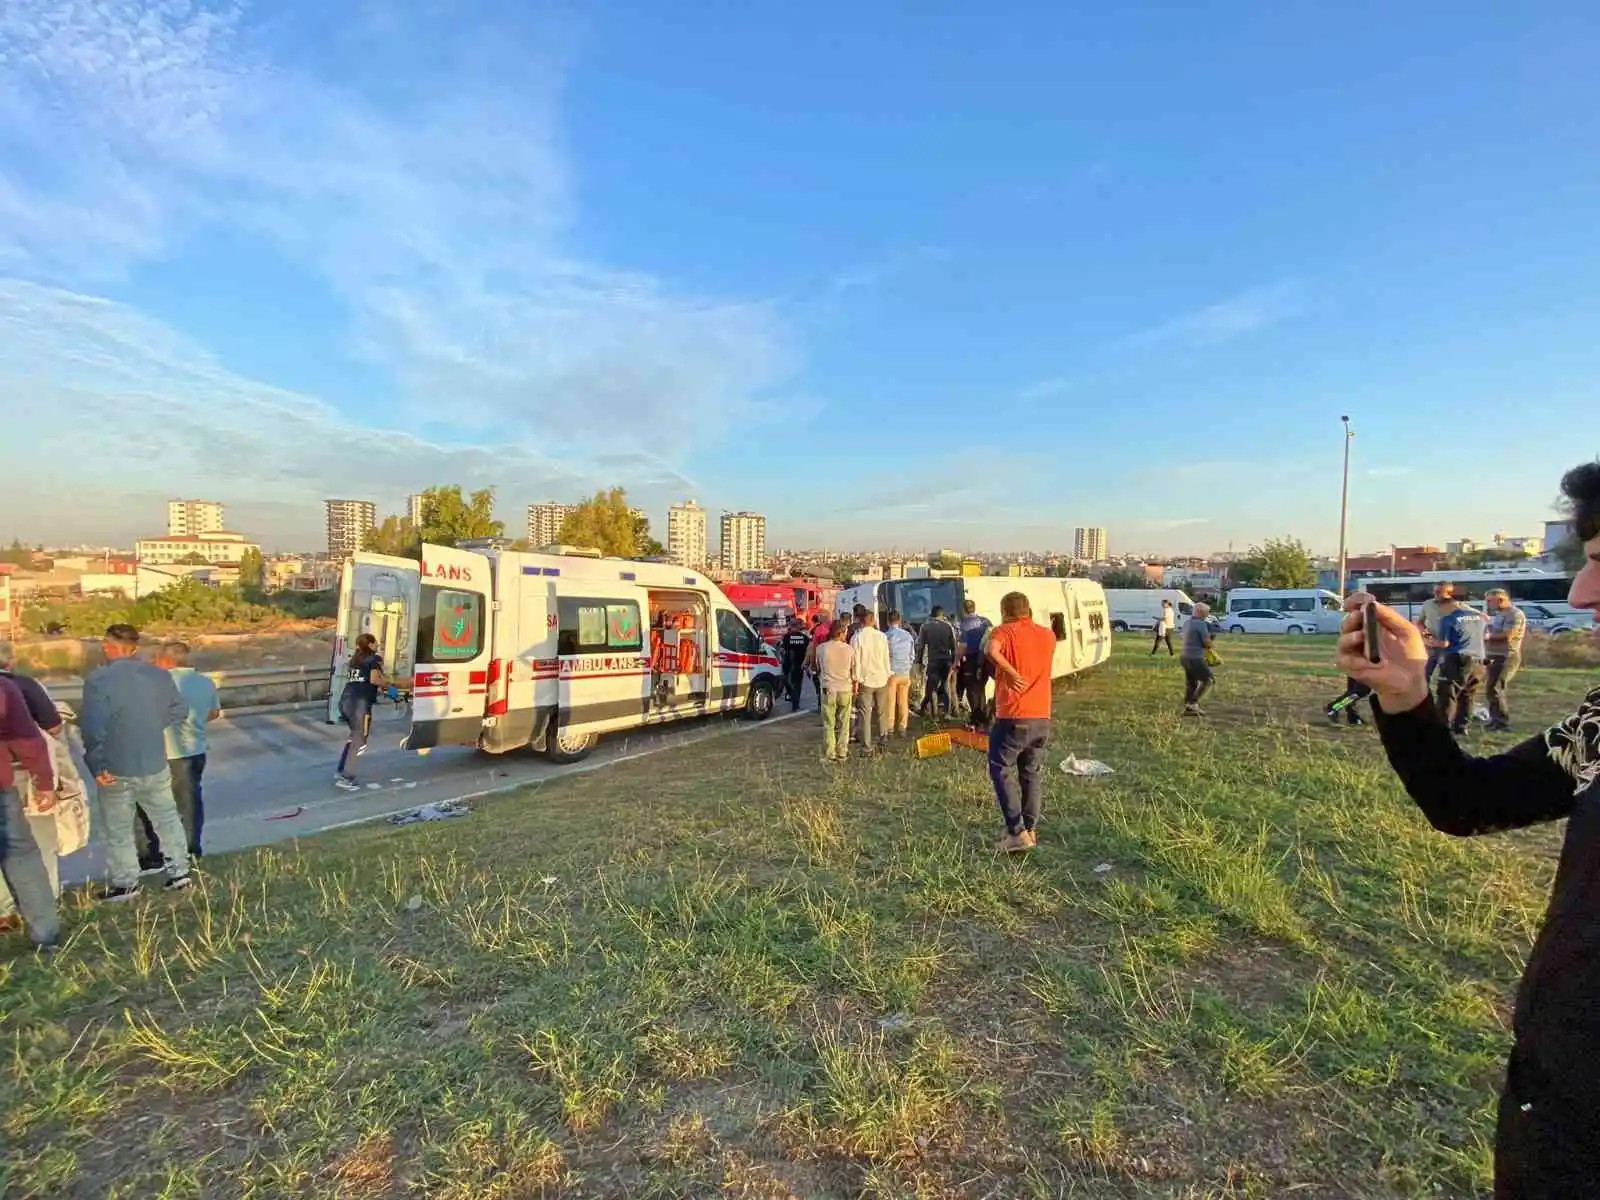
(1237, 316)
(440, 218)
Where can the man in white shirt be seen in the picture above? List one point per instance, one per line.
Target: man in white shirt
(870, 651)
(1164, 629)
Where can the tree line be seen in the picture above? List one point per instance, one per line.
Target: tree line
(604, 522)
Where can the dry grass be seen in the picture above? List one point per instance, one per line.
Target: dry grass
(758, 976)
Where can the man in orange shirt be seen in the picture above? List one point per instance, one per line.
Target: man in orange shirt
(1021, 653)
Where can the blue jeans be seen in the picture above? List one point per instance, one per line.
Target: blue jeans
(22, 866)
(1018, 744)
(153, 793)
(1435, 657)
(186, 794)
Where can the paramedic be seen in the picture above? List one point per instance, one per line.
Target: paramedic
(795, 645)
(363, 677)
(1547, 1139)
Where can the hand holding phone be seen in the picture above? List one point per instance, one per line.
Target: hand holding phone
(1372, 630)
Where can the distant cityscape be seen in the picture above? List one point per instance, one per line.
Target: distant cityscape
(198, 545)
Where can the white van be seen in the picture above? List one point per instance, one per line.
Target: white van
(501, 649)
(1139, 608)
(1304, 610)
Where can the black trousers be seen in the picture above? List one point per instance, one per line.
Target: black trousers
(1349, 701)
(936, 689)
(1197, 679)
(794, 681)
(973, 680)
(1163, 637)
(1546, 1144)
(1456, 683)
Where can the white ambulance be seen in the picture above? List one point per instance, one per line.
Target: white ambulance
(503, 649)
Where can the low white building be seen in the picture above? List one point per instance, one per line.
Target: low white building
(219, 547)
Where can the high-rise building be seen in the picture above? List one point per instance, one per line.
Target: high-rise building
(190, 518)
(349, 522)
(744, 541)
(686, 535)
(414, 509)
(1089, 542)
(545, 522)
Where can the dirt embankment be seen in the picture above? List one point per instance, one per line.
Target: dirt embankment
(304, 643)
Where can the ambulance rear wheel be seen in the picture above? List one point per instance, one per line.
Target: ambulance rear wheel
(763, 697)
(565, 746)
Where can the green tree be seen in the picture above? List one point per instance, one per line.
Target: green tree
(17, 554)
(448, 517)
(604, 523)
(194, 559)
(252, 570)
(1280, 563)
(1126, 577)
(644, 545)
(395, 537)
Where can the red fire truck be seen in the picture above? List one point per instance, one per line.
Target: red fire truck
(769, 607)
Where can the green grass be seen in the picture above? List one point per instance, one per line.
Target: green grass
(729, 970)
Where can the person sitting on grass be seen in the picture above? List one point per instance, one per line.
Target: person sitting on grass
(1547, 1139)
(1021, 653)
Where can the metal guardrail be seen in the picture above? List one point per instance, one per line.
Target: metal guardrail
(239, 689)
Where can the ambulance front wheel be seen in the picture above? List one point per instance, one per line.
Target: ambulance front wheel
(566, 746)
(763, 697)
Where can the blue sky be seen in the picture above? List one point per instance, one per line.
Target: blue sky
(944, 275)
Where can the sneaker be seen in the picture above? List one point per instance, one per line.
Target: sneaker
(1332, 715)
(152, 866)
(1191, 710)
(179, 883)
(1013, 843)
(345, 783)
(118, 895)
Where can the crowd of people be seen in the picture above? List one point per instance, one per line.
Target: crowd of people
(143, 725)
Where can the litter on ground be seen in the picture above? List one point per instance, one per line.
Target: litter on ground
(441, 811)
(1073, 765)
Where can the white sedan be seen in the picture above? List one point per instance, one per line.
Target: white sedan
(1545, 621)
(1267, 620)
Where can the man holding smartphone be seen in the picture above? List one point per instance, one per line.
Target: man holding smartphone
(1547, 1140)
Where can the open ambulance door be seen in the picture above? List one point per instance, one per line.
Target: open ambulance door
(453, 648)
(377, 595)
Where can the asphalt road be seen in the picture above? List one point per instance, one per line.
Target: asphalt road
(269, 776)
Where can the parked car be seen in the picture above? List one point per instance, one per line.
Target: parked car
(1269, 620)
(1545, 621)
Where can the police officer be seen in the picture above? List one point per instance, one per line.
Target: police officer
(794, 646)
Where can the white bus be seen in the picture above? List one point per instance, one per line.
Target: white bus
(1308, 610)
(1535, 591)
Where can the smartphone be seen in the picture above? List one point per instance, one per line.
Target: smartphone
(1370, 626)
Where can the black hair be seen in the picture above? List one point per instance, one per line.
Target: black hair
(365, 644)
(1580, 491)
(938, 611)
(125, 635)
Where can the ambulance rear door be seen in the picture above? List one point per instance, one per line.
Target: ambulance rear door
(379, 595)
(451, 659)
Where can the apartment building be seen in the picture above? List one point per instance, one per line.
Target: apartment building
(349, 523)
(1089, 543)
(687, 535)
(186, 518)
(221, 548)
(743, 545)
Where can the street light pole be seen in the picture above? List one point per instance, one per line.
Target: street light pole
(1344, 501)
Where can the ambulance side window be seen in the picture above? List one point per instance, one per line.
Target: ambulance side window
(732, 634)
(597, 626)
(451, 625)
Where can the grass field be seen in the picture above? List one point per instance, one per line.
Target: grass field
(1241, 966)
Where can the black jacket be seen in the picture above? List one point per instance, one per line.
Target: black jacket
(1548, 1142)
(795, 643)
